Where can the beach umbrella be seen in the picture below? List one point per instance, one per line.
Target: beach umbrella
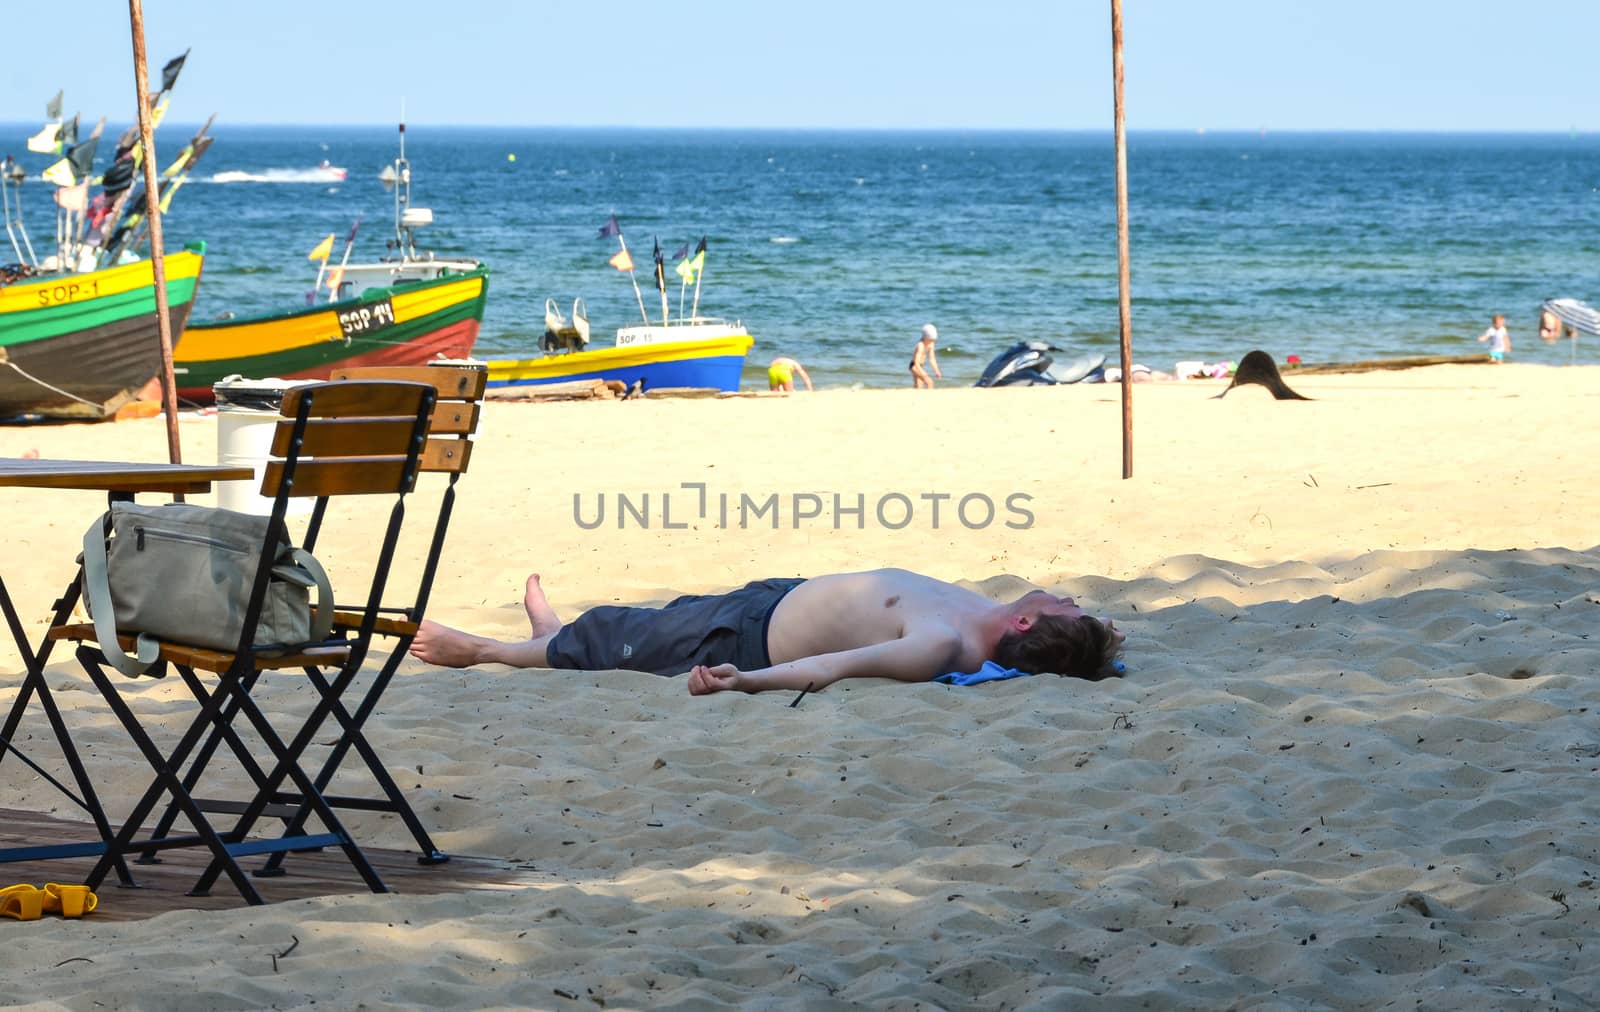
(1580, 316)
(152, 197)
(1124, 299)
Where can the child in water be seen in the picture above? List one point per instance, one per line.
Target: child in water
(1499, 340)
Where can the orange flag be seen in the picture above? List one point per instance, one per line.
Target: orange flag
(622, 261)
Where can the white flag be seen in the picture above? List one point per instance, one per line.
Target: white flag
(46, 141)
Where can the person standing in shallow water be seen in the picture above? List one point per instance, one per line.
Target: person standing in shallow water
(924, 351)
(1499, 339)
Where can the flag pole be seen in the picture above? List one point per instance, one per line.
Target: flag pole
(636, 293)
(661, 282)
(349, 244)
(158, 266)
(698, 274)
(1124, 298)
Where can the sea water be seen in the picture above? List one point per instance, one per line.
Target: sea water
(835, 247)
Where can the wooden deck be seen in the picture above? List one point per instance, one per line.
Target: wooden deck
(163, 887)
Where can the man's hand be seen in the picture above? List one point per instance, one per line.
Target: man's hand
(703, 680)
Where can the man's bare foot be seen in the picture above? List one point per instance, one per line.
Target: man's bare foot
(446, 647)
(541, 616)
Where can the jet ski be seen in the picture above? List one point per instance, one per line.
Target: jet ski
(1027, 363)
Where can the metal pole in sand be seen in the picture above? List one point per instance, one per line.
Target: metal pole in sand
(1124, 300)
(152, 200)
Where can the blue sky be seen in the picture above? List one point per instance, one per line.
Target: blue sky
(1035, 64)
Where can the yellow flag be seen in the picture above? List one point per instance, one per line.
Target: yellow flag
(690, 269)
(324, 249)
(60, 174)
(622, 261)
(159, 112)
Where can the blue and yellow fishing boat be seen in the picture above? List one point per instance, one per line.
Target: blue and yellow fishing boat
(693, 352)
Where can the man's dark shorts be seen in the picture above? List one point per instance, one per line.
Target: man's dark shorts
(726, 628)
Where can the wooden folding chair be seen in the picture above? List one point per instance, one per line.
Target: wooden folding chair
(459, 389)
(334, 439)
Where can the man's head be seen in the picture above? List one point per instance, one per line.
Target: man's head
(930, 333)
(1049, 633)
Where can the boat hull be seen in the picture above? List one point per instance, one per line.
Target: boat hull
(711, 363)
(81, 345)
(409, 324)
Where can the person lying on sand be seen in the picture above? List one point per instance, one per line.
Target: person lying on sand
(801, 634)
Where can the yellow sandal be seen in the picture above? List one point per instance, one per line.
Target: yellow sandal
(24, 902)
(69, 900)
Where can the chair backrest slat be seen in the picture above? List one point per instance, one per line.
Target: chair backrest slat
(345, 437)
(341, 476)
(366, 399)
(446, 456)
(452, 382)
(454, 418)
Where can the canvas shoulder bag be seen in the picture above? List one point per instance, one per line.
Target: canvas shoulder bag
(183, 573)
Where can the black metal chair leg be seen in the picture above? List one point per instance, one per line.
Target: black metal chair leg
(166, 779)
(288, 765)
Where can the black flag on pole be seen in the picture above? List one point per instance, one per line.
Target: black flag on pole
(169, 73)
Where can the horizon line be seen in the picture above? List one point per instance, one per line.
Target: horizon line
(1198, 131)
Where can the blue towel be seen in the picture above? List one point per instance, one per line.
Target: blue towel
(992, 672)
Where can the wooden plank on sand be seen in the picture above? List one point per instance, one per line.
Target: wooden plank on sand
(1373, 364)
(574, 390)
(683, 392)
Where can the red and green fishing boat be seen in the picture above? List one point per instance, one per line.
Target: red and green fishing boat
(404, 311)
(408, 323)
(82, 345)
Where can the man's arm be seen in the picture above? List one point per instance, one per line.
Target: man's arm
(918, 657)
(933, 360)
(802, 371)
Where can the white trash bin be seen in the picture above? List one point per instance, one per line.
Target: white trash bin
(247, 415)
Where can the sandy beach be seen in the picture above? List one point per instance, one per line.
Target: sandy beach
(1352, 763)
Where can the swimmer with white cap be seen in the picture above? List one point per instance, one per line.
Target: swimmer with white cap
(924, 352)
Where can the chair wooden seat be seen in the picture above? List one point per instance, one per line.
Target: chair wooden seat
(215, 661)
(382, 626)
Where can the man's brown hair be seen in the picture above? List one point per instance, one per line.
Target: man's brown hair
(1083, 647)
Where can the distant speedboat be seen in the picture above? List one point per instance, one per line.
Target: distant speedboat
(334, 173)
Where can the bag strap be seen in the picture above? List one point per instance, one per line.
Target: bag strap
(322, 615)
(97, 587)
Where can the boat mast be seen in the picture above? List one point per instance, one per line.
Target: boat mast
(11, 173)
(402, 193)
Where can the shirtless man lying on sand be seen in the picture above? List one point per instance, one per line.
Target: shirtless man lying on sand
(795, 634)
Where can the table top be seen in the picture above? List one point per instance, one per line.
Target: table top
(115, 475)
